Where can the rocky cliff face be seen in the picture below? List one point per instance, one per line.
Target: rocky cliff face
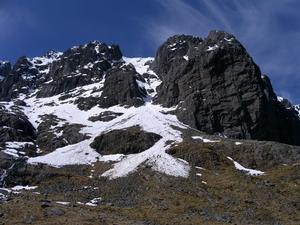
(79, 66)
(218, 88)
(5, 68)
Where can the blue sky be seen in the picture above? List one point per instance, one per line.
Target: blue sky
(269, 29)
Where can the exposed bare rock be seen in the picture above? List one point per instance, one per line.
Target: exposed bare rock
(79, 66)
(218, 88)
(121, 87)
(126, 141)
(55, 133)
(105, 116)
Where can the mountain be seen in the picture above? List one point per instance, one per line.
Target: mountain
(195, 135)
(222, 89)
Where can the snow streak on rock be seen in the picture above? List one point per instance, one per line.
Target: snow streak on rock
(251, 172)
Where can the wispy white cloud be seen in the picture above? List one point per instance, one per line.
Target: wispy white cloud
(178, 17)
(4, 21)
(13, 18)
(217, 11)
(262, 26)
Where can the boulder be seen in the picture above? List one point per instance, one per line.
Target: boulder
(200, 155)
(126, 141)
(86, 103)
(105, 116)
(14, 126)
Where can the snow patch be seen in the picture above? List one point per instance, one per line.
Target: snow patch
(42, 64)
(142, 67)
(251, 172)
(77, 154)
(97, 49)
(186, 58)
(280, 99)
(229, 39)
(139, 64)
(205, 140)
(20, 187)
(238, 143)
(172, 45)
(212, 48)
(200, 168)
(94, 202)
(63, 203)
(13, 148)
(297, 108)
(16, 190)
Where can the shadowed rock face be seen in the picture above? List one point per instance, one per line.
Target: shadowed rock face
(14, 126)
(17, 136)
(78, 67)
(121, 87)
(56, 73)
(59, 136)
(219, 89)
(126, 141)
(24, 76)
(5, 68)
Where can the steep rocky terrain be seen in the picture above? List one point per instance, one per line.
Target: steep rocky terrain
(195, 135)
(218, 88)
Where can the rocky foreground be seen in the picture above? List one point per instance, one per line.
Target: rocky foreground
(195, 135)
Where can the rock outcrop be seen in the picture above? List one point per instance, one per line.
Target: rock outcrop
(218, 88)
(121, 87)
(27, 74)
(200, 155)
(133, 139)
(105, 116)
(79, 66)
(56, 73)
(14, 126)
(5, 68)
(55, 133)
(17, 138)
